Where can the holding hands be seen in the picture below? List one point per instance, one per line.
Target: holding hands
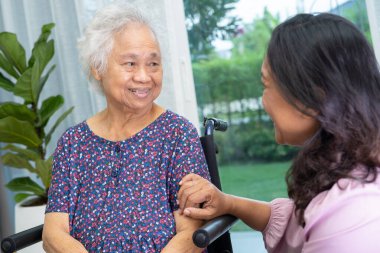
(200, 199)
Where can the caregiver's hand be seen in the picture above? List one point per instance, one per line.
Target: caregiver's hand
(200, 199)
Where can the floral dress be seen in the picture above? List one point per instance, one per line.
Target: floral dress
(120, 196)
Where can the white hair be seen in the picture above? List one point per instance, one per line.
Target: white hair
(97, 41)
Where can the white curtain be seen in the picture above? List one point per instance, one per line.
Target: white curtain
(373, 10)
(26, 17)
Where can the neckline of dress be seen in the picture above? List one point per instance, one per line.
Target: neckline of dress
(154, 122)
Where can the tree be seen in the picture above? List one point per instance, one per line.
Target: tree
(256, 35)
(231, 89)
(207, 20)
(356, 12)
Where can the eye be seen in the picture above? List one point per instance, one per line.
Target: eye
(129, 64)
(153, 64)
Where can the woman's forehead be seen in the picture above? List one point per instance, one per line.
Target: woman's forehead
(136, 36)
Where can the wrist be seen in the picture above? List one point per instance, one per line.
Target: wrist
(229, 204)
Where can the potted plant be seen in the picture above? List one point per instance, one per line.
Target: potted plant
(23, 126)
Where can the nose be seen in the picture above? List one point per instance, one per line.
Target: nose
(141, 75)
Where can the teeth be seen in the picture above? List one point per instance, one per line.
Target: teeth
(140, 92)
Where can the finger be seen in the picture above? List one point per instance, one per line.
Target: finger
(193, 181)
(183, 189)
(186, 192)
(194, 197)
(198, 213)
(189, 177)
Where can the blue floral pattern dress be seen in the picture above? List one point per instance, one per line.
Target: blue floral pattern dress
(120, 196)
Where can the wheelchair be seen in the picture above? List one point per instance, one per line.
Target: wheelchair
(214, 234)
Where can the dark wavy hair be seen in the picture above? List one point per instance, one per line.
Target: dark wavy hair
(325, 63)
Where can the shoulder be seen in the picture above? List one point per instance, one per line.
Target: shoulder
(74, 133)
(349, 205)
(177, 123)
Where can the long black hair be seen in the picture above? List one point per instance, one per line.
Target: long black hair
(325, 63)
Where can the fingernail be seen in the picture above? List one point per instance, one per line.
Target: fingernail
(186, 212)
(180, 182)
(177, 201)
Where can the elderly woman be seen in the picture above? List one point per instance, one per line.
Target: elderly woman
(115, 175)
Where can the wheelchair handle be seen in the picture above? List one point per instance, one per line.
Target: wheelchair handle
(212, 124)
(212, 230)
(21, 240)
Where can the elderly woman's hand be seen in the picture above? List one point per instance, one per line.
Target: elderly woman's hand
(200, 199)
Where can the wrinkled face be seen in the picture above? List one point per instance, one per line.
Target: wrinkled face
(133, 78)
(292, 127)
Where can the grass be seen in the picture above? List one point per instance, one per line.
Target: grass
(257, 181)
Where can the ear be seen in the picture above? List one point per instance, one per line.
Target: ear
(95, 74)
(309, 113)
(306, 112)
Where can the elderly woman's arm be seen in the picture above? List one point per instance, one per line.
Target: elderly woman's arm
(56, 236)
(182, 241)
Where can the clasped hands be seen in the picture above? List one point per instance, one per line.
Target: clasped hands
(200, 199)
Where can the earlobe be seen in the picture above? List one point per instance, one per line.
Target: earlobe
(308, 114)
(311, 112)
(95, 74)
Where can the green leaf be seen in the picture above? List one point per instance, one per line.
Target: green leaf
(49, 107)
(23, 87)
(17, 161)
(18, 111)
(43, 52)
(28, 153)
(13, 51)
(21, 196)
(4, 64)
(13, 130)
(44, 170)
(45, 32)
(45, 77)
(41, 45)
(25, 184)
(35, 81)
(28, 86)
(59, 120)
(6, 84)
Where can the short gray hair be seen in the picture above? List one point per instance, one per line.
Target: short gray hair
(97, 41)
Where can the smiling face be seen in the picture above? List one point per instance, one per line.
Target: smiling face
(133, 78)
(292, 127)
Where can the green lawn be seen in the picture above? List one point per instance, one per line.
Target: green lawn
(257, 181)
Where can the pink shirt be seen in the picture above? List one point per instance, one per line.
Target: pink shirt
(345, 218)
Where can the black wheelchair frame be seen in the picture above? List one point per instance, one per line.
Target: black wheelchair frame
(214, 234)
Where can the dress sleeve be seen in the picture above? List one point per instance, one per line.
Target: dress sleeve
(349, 223)
(58, 196)
(188, 157)
(283, 234)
